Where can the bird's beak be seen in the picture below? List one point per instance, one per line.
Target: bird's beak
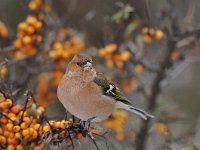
(88, 65)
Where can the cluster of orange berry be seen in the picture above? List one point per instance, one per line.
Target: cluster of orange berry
(28, 37)
(114, 58)
(150, 33)
(3, 30)
(61, 52)
(39, 7)
(23, 127)
(67, 49)
(63, 131)
(129, 84)
(17, 128)
(116, 123)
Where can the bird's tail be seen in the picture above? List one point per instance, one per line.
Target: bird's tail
(135, 110)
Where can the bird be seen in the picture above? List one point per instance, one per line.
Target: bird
(89, 95)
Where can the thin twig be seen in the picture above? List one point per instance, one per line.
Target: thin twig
(25, 106)
(93, 140)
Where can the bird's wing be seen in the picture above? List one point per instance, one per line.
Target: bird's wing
(109, 89)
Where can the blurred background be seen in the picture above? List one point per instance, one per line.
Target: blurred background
(150, 49)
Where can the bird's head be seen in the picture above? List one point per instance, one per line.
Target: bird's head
(81, 65)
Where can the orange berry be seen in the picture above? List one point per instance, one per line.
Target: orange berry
(159, 34)
(22, 26)
(20, 35)
(31, 130)
(111, 47)
(33, 6)
(3, 71)
(9, 126)
(79, 135)
(16, 128)
(18, 43)
(3, 30)
(3, 120)
(38, 25)
(52, 123)
(147, 39)
(64, 124)
(36, 126)
(10, 147)
(53, 55)
(40, 110)
(24, 125)
(27, 138)
(12, 141)
(38, 148)
(12, 135)
(58, 46)
(2, 140)
(57, 124)
(16, 109)
(26, 40)
(25, 132)
(125, 55)
(162, 129)
(103, 52)
(34, 134)
(31, 20)
(19, 147)
(65, 54)
(3, 106)
(8, 102)
(6, 134)
(1, 131)
(139, 69)
(46, 128)
(17, 135)
(174, 56)
(21, 112)
(30, 30)
(27, 120)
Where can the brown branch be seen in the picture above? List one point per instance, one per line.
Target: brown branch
(155, 90)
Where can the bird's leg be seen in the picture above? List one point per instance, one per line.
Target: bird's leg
(73, 119)
(66, 116)
(93, 140)
(88, 123)
(82, 123)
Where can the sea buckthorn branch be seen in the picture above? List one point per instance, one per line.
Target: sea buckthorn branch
(23, 127)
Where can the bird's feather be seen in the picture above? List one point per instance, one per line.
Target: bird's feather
(135, 110)
(109, 89)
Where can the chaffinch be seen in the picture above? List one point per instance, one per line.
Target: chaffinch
(87, 94)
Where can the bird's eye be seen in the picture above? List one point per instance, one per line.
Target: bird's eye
(79, 63)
